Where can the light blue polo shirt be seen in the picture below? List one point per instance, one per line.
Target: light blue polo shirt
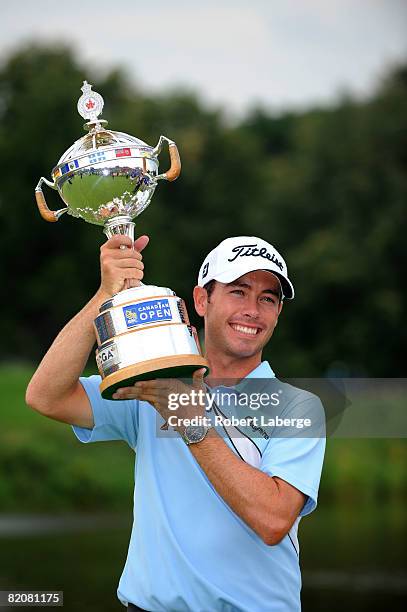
(188, 551)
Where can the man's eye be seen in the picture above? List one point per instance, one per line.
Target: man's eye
(237, 291)
(269, 299)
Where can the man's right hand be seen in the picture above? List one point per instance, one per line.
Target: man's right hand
(118, 263)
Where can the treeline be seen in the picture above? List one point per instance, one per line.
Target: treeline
(327, 187)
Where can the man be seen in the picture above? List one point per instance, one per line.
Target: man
(217, 504)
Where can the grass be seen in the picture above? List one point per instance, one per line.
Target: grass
(44, 468)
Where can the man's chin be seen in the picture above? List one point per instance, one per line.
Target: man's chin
(245, 349)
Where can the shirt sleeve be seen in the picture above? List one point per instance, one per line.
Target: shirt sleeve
(297, 456)
(113, 420)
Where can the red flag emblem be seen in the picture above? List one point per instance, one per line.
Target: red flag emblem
(90, 104)
(123, 152)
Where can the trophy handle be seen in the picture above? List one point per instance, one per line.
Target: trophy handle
(175, 168)
(49, 215)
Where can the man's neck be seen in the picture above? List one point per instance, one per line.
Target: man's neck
(230, 370)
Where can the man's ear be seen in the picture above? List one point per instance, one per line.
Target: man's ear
(200, 300)
(280, 307)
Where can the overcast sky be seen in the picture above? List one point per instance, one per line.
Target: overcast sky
(280, 53)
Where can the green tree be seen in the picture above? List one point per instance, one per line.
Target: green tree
(327, 187)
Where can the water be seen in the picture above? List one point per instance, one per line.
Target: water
(81, 556)
(352, 558)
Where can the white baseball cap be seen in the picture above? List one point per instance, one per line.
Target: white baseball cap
(236, 256)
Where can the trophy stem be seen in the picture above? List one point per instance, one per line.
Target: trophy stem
(119, 225)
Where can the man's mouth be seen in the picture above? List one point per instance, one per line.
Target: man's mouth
(244, 329)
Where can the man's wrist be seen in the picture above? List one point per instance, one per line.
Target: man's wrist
(101, 295)
(194, 434)
(179, 422)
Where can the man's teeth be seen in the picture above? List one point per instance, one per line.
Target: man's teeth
(246, 330)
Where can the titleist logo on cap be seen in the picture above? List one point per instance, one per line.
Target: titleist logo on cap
(252, 250)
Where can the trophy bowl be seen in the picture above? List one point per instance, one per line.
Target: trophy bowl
(105, 174)
(108, 178)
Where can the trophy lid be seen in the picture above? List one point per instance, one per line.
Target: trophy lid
(90, 106)
(102, 139)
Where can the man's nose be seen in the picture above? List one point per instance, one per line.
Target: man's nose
(251, 309)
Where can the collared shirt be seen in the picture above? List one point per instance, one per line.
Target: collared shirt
(188, 550)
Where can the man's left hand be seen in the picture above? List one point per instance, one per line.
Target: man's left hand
(187, 401)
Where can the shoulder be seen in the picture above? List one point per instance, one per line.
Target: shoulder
(287, 393)
(296, 395)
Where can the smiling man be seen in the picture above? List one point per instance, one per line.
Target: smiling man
(217, 507)
(245, 278)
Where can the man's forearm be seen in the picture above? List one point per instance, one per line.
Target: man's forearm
(55, 390)
(267, 504)
(251, 494)
(63, 364)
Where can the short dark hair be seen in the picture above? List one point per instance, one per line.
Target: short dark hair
(210, 288)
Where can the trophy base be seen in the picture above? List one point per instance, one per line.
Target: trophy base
(175, 366)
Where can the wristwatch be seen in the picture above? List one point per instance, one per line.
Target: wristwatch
(194, 433)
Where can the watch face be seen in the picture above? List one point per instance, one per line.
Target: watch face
(195, 433)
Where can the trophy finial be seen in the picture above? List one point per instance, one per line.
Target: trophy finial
(90, 104)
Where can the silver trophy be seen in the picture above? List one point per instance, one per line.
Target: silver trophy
(108, 178)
